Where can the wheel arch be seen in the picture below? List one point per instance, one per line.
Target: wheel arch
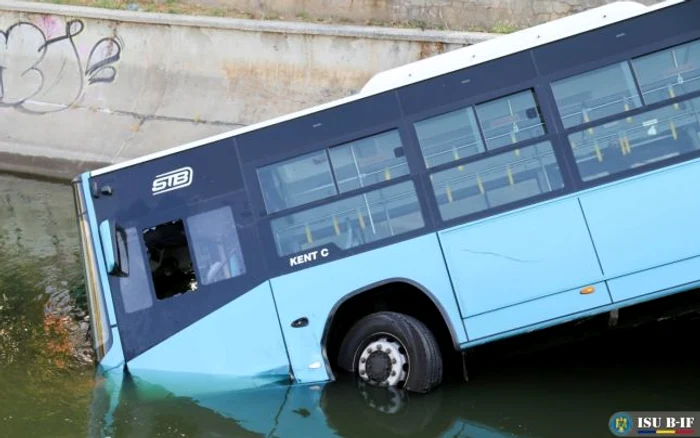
(384, 287)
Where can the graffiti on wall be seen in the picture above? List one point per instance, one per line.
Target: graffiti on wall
(43, 69)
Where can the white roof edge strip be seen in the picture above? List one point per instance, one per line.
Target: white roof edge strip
(503, 46)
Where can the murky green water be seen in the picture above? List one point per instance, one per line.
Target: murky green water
(567, 391)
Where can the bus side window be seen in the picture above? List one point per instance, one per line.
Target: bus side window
(297, 181)
(669, 73)
(351, 222)
(449, 137)
(216, 246)
(510, 119)
(169, 258)
(368, 161)
(497, 180)
(596, 94)
(632, 142)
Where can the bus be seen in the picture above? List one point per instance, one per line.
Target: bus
(520, 183)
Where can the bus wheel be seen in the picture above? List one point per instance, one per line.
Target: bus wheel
(392, 349)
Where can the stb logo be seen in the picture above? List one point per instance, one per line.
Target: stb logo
(620, 424)
(173, 180)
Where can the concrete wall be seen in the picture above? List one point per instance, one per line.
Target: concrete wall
(499, 15)
(80, 87)
(37, 219)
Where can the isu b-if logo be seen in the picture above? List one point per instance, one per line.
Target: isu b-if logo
(620, 424)
(173, 180)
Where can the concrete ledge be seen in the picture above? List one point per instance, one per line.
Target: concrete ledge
(273, 26)
(44, 168)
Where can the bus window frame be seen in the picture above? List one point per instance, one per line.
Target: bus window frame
(627, 57)
(280, 264)
(542, 99)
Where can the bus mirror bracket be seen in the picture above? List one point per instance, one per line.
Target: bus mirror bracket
(113, 240)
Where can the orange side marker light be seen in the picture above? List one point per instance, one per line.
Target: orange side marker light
(587, 290)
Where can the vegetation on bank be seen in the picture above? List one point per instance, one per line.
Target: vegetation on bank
(175, 7)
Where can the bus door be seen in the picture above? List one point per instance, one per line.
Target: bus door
(193, 299)
(524, 268)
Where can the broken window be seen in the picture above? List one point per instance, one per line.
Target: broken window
(170, 261)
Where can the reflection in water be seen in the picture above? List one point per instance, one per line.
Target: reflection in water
(335, 409)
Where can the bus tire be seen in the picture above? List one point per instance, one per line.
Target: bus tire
(392, 349)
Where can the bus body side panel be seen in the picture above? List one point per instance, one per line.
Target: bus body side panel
(646, 230)
(240, 342)
(529, 313)
(113, 361)
(523, 268)
(313, 292)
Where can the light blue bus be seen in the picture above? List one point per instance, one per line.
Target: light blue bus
(530, 180)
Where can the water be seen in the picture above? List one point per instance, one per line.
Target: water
(563, 391)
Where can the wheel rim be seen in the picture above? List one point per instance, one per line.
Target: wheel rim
(383, 362)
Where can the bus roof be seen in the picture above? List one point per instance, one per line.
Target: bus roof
(458, 59)
(507, 45)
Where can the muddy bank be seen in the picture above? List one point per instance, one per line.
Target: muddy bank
(65, 312)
